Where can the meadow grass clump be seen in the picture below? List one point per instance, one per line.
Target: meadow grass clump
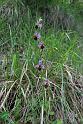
(40, 69)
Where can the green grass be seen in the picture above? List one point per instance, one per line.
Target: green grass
(23, 96)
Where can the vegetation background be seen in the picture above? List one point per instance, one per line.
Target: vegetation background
(24, 99)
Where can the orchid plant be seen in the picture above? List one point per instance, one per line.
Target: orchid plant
(37, 37)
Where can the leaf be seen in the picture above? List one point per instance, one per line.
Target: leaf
(59, 121)
(51, 113)
(4, 115)
(1, 95)
(15, 69)
(17, 108)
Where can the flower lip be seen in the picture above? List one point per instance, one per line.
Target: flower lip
(36, 36)
(36, 26)
(41, 45)
(46, 83)
(40, 65)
